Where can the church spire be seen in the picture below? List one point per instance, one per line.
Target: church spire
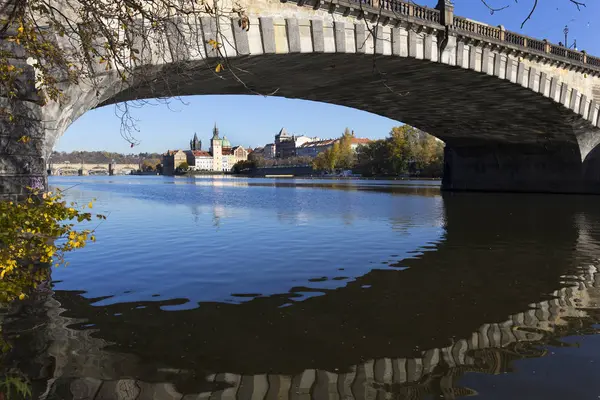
(195, 144)
(215, 132)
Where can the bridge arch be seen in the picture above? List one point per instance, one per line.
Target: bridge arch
(67, 171)
(98, 170)
(125, 170)
(516, 113)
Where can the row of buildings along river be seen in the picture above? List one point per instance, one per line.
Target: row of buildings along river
(221, 156)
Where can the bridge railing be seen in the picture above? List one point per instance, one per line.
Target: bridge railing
(402, 8)
(466, 25)
(529, 44)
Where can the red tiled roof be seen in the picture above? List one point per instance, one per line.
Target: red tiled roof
(360, 140)
(198, 153)
(319, 143)
(227, 151)
(328, 142)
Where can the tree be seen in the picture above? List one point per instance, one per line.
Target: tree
(34, 233)
(407, 150)
(332, 156)
(243, 166)
(374, 158)
(149, 165)
(401, 152)
(346, 157)
(340, 155)
(320, 161)
(257, 159)
(183, 167)
(328, 159)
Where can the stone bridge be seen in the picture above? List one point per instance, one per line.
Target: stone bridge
(91, 169)
(516, 113)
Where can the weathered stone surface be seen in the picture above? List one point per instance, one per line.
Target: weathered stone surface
(158, 391)
(85, 388)
(21, 165)
(16, 185)
(16, 145)
(124, 389)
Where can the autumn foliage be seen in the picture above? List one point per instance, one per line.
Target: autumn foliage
(36, 233)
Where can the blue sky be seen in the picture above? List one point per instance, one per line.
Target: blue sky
(258, 119)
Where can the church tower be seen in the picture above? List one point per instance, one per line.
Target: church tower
(216, 149)
(195, 144)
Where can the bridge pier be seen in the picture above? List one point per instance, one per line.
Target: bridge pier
(22, 137)
(507, 167)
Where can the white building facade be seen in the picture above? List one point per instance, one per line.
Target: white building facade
(204, 161)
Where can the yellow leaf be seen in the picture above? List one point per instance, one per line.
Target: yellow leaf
(22, 296)
(213, 43)
(90, 204)
(21, 29)
(219, 67)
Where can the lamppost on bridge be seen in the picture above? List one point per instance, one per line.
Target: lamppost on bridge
(566, 32)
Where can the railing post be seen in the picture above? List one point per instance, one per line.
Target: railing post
(584, 58)
(546, 46)
(524, 42)
(502, 32)
(446, 12)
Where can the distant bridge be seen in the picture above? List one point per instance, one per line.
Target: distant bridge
(91, 169)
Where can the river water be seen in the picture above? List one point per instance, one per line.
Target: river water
(230, 288)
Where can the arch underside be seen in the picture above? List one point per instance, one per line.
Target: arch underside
(499, 135)
(455, 104)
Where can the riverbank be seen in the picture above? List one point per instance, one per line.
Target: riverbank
(362, 178)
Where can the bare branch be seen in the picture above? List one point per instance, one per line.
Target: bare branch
(492, 9)
(535, 3)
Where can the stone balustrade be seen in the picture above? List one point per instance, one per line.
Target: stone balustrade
(411, 13)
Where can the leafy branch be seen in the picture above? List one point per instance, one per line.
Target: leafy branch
(84, 42)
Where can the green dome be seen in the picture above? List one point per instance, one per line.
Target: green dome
(225, 142)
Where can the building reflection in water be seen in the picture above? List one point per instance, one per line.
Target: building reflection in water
(506, 281)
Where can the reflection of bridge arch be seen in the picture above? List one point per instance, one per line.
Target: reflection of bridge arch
(67, 170)
(91, 169)
(266, 351)
(89, 372)
(127, 170)
(98, 170)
